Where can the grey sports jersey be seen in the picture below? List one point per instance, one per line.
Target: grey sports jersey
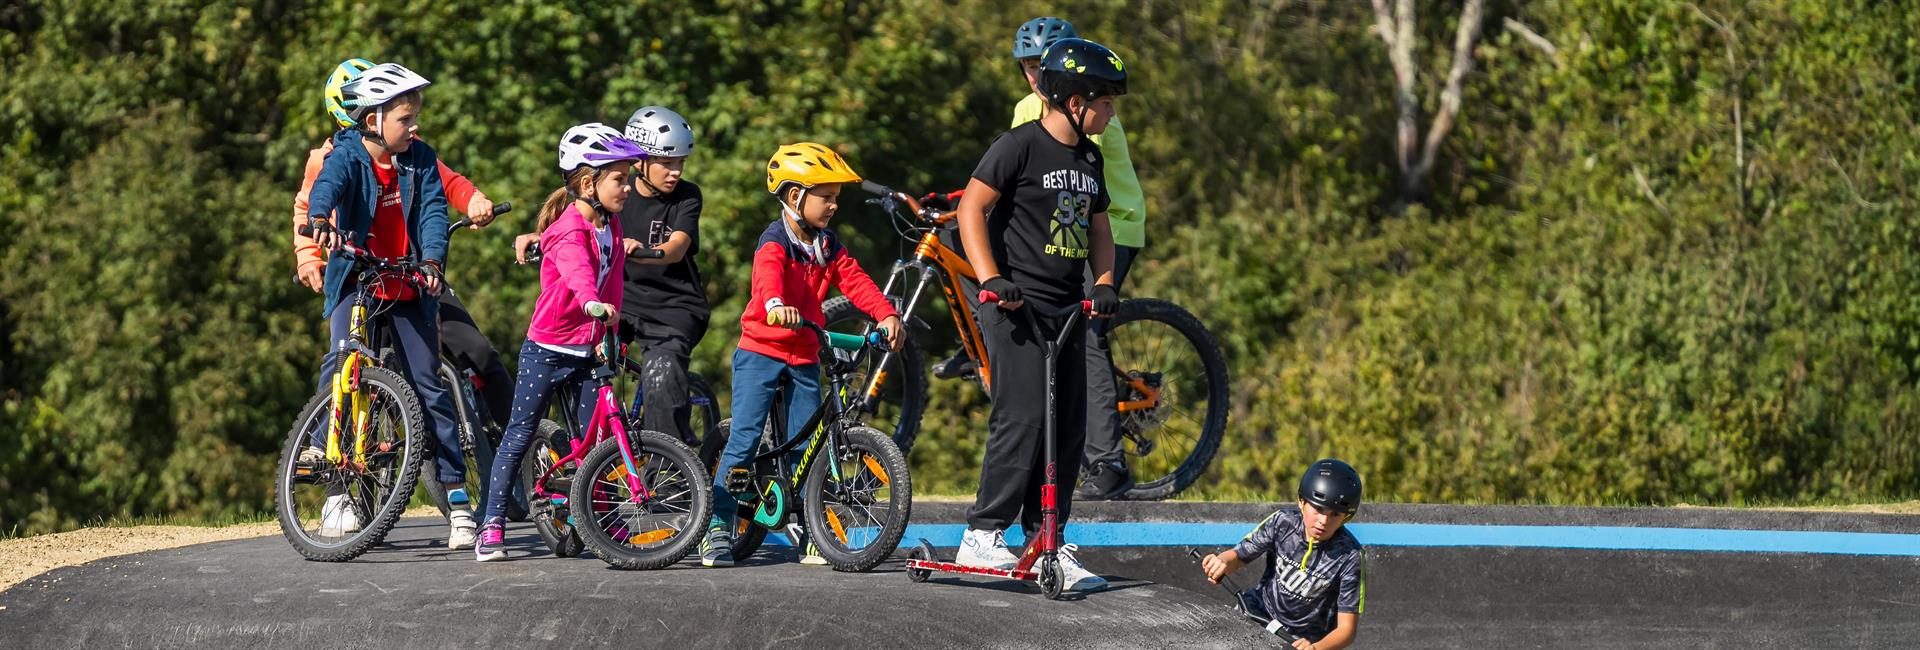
(1304, 586)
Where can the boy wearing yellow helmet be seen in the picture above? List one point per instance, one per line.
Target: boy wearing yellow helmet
(796, 262)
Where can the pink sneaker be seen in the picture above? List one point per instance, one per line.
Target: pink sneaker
(493, 543)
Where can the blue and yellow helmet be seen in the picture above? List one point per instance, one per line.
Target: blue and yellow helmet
(347, 71)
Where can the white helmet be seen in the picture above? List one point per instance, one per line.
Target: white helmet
(596, 145)
(377, 86)
(662, 132)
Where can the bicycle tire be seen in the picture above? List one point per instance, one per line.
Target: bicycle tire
(549, 519)
(384, 385)
(910, 402)
(1214, 422)
(861, 449)
(678, 470)
(747, 536)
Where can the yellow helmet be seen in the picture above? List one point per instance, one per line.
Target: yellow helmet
(808, 164)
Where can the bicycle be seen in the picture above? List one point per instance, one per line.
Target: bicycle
(644, 494)
(369, 455)
(1171, 378)
(552, 520)
(1040, 561)
(860, 471)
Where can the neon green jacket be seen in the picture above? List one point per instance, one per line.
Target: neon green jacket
(1128, 211)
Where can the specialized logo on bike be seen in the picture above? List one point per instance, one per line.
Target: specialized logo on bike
(1300, 583)
(1071, 213)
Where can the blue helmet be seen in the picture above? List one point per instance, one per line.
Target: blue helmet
(1035, 35)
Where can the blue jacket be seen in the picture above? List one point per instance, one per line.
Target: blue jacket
(346, 189)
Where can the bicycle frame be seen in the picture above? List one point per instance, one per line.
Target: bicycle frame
(607, 422)
(823, 432)
(932, 261)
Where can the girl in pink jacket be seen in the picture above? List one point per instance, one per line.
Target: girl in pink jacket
(580, 282)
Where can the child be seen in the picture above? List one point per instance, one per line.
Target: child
(795, 263)
(465, 345)
(580, 283)
(381, 187)
(1033, 215)
(1314, 585)
(1107, 473)
(666, 301)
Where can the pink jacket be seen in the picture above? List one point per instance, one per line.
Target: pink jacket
(567, 274)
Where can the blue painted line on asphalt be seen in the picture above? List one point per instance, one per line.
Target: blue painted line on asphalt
(1618, 538)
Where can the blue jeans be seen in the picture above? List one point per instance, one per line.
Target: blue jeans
(755, 377)
(418, 340)
(541, 371)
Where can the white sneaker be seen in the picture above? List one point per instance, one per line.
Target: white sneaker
(1078, 577)
(312, 455)
(461, 534)
(337, 517)
(985, 549)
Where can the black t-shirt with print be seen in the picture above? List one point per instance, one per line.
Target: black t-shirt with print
(670, 294)
(1048, 193)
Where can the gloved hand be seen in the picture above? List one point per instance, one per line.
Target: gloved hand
(1002, 288)
(1105, 299)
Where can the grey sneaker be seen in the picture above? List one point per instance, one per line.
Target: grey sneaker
(716, 549)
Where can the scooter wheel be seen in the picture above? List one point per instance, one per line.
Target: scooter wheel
(1052, 578)
(922, 552)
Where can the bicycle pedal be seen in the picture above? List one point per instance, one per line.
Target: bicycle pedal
(740, 480)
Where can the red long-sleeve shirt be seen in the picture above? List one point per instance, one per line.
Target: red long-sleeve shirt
(792, 274)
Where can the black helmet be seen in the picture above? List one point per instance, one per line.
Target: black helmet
(1332, 485)
(1077, 67)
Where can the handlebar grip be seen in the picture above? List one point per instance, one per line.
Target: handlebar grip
(648, 254)
(988, 297)
(875, 188)
(840, 341)
(502, 207)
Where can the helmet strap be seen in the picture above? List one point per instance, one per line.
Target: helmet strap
(645, 177)
(1079, 118)
(593, 197)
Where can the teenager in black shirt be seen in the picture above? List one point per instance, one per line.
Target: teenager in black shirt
(665, 302)
(1033, 216)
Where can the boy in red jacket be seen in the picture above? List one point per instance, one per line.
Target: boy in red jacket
(796, 262)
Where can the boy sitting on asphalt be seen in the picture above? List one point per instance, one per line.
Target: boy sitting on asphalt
(1313, 586)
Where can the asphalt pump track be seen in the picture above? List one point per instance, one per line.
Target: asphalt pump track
(1437, 577)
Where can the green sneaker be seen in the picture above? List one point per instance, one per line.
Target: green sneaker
(716, 549)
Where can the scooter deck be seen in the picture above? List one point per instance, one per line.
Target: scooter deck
(950, 567)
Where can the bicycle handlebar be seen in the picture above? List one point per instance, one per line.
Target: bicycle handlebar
(1272, 627)
(500, 208)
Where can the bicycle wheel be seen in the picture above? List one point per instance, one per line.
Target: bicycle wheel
(903, 391)
(747, 537)
(642, 533)
(858, 500)
(1167, 363)
(336, 512)
(553, 520)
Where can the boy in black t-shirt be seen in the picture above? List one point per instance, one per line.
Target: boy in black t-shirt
(1033, 216)
(665, 303)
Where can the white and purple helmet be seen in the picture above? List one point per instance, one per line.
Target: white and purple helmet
(596, 145)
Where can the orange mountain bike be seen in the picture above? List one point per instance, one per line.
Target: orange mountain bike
(1171, 377)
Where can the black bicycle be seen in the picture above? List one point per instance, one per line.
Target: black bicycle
(853, 487)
